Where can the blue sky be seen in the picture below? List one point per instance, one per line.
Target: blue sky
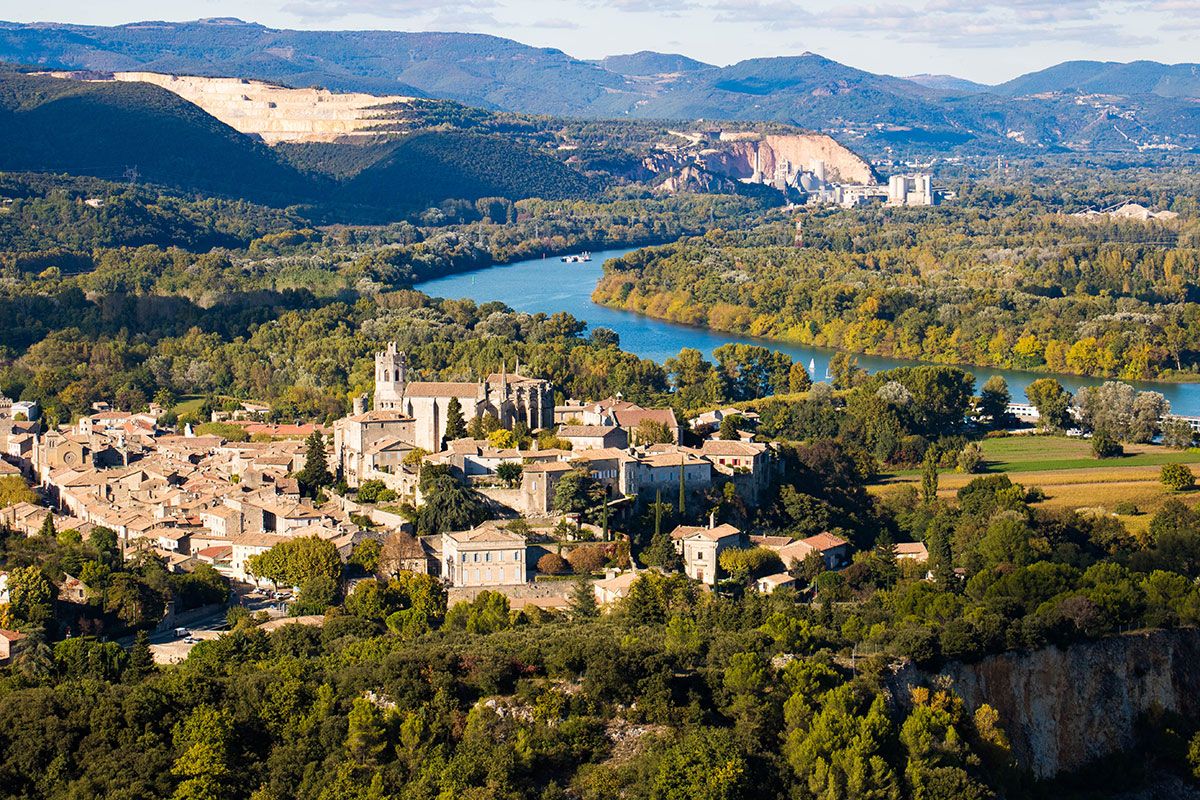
(985, 40)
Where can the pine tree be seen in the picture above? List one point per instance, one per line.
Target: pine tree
(658, 513)
(141, 662)
(941, 558)
(47, 530)
(583, 601)
(456, 428)
(929, 477)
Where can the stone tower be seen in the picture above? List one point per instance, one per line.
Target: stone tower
(391, 376)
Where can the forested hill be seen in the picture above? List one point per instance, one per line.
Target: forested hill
(1080, 105)
(104, 130)
(144, 133)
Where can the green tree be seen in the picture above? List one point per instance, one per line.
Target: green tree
(456, 427)
(572, 493)
(47, 531)
(729, 430)
(14, 489)
(706, 764)
(993, 401)
(141, 660)
(1052, 402)
(1177, 477)
(365, 555)
(929, 476)
(583, 604)
(509, 472)
(365, 737)
(202, 743)
(315, 473)
(448, 504)
(30, 597)
(294, 562)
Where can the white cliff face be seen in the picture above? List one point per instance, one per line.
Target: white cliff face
(1065, 708)
(278, 114)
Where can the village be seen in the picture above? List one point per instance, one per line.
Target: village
(190, 499)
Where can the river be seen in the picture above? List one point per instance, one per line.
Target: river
(548, 285)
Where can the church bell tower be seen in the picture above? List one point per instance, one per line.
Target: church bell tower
(391, 376)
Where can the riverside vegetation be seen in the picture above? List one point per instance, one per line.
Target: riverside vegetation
(1002, 277)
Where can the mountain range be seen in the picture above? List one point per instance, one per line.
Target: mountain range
(1084, 105)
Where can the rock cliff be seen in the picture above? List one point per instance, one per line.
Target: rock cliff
(1064, 708)
(279, 114)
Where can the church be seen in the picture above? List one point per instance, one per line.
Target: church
(510, 397)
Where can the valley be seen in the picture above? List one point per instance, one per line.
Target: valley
(413, 414)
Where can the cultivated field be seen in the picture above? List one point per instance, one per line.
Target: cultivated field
(1065, 470)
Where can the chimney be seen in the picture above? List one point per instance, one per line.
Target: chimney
(712, 520)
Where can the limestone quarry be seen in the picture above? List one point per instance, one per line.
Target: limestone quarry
(279, 114)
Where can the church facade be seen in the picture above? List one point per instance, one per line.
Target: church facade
(511, 398)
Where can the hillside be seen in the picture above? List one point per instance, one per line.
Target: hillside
(1107, 77)
(649, 63)
(105, 129)
(1141, 105)
(427, 167)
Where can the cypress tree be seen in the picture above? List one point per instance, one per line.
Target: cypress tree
(929, 476)
(456, 428)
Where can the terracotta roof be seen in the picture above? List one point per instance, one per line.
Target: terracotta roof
(778, 579)
(12, 636)
(488, 532)
(631, 417)
(671, 459)
(720, 447)
(568, 431)
(712, 534)
(915, 550)
(825, 541)
(548, 466)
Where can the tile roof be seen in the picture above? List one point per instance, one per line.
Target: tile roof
(712, 534)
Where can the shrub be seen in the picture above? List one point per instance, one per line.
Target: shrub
(552, 564)
(1105, 446)
(1126, 508)
(587, 558)
(1177, 477)
(970, 458)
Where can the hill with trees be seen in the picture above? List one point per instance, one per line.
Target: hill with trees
(808, 90)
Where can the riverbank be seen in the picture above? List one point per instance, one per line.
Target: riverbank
(545, 285)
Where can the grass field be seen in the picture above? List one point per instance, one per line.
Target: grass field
(1064, 469)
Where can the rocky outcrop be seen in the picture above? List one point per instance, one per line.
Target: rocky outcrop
(279, 114)
(1065, 708)
(741, 155)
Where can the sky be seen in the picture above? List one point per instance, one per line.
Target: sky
(983, 40)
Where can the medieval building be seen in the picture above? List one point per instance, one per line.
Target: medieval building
(509, 397)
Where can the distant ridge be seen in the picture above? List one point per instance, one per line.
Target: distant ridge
(1080, 105)
(949, 83)
(648, 62)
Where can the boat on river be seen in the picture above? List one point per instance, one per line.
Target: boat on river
(580, 258)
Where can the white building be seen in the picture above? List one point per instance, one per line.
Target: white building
(483, 556)
(702, 547)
